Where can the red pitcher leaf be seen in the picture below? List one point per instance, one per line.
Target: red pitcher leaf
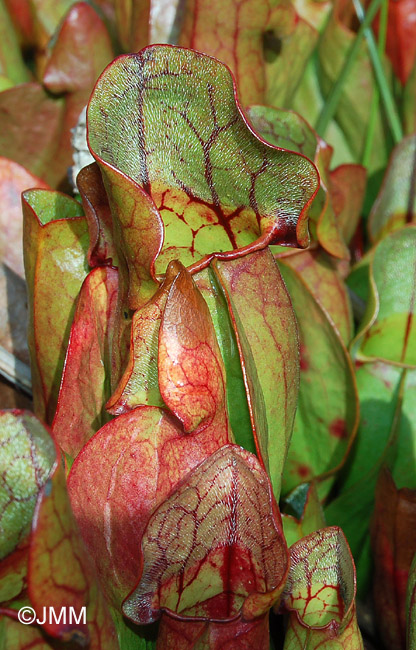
(308, 514)
(319, 272)
(47, 17)
(239, 634)
(347, 184)
(411, 605)
(85, 381)
(112, 507)
(28, 454)
(214, 184)
(98, 215)
(258, 47)
(320, 593)
(60, 574)
(31, 131)
(327, 416)
(237, 406)
(21, 15)
(191, 370)
(214, 549)
(394, 546)
(57, 569)
(267, 337)
(395, 205)
(55, 246)
(139, 384)
(388, 331)
(401, 37)
(14, 179)
(80, 53)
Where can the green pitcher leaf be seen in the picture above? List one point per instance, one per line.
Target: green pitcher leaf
(387, 332)
(55, 246)
(320, 594)
(395, 205)
(14, 179)
(213, 186)
(269, 354)
(28, 454)
(237, 406)
(139, 384)
(309, 515)
(386, 434)
(214, 548)
(289, 130)
(327, 416)
(319, 272)
(85, 384)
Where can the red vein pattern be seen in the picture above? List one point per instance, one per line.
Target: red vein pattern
(166, 121)
(319, 593)
(215, 547)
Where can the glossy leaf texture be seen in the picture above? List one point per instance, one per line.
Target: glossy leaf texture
(395, 205)
(213, 186)
(56, 570)
(387, 332)
(55, 246)
(394, 547)
(386, 434)
(308, 514)
(153, 440)
(320, 594)
(85, 385)
(289, 130)
(268, 354)
(214, 548)
(267, 41)
(327, 415)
